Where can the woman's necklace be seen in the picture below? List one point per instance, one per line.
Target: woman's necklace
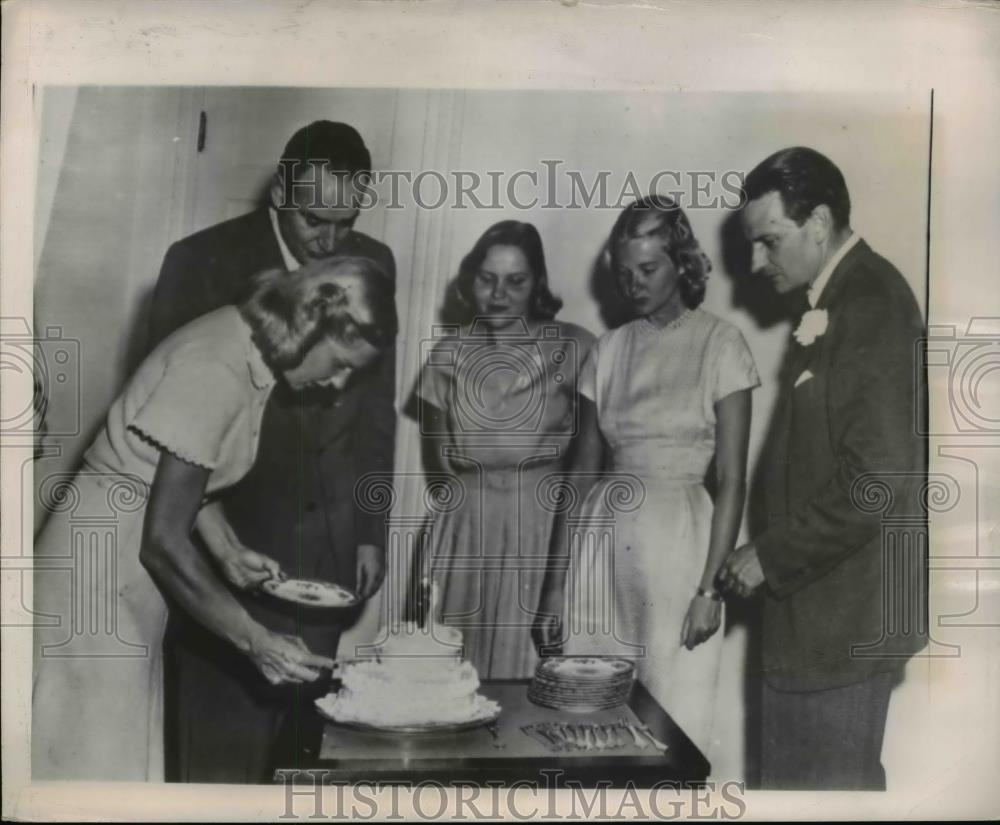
(676, 322)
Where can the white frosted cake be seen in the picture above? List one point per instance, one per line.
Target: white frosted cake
(416, 678)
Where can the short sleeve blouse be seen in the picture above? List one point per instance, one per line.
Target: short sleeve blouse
(734, 367)
(656, 389)
(587, 382)
(200, 395)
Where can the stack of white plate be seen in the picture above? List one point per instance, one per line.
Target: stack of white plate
(582, 683)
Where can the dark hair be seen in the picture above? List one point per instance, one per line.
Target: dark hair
(804, 179)
(659, 216)
(459, 306)
(336, 147)
(290, 312)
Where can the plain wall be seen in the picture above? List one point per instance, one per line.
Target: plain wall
(125, 192)
(109, 223)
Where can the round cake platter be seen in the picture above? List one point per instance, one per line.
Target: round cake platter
(424, 729)
(311, 592)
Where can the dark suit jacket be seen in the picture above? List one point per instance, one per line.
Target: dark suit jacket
(822, 549)
(297, 503)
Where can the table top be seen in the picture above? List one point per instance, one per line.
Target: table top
(339, 754)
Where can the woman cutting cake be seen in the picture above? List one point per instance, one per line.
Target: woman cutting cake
(185, 427)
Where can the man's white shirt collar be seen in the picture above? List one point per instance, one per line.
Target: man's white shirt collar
(291, 263)
(817, 287)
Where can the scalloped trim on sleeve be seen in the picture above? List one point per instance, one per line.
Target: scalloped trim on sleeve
(175, 452)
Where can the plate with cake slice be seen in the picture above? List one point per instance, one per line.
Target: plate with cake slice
(311, 592)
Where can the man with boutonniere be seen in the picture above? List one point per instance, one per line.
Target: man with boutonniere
(844, 420)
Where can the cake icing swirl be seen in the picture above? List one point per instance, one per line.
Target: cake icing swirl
(417, 677)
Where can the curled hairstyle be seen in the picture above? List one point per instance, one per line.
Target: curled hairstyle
(290, 312)
(657, 216)
(459, 304)
(804, 179)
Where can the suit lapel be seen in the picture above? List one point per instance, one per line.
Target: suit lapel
(253, 249)
(776, 480)
(263, 246)
(799, 358)
(841, 276)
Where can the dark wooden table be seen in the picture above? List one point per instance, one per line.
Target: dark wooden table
(322, 752)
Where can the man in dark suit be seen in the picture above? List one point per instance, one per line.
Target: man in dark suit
(297, 505)
(844, 426)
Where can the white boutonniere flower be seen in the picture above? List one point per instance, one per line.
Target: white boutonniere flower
(812, 325)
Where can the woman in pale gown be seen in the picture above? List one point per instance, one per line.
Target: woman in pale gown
(186, 426)
(662, 397)
(499, 412)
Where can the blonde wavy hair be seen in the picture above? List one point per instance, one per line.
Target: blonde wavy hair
(659, 216)
(290, 312)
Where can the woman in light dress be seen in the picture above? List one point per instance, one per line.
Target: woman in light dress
(663, 398)
(185, 427)
(498, 414)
